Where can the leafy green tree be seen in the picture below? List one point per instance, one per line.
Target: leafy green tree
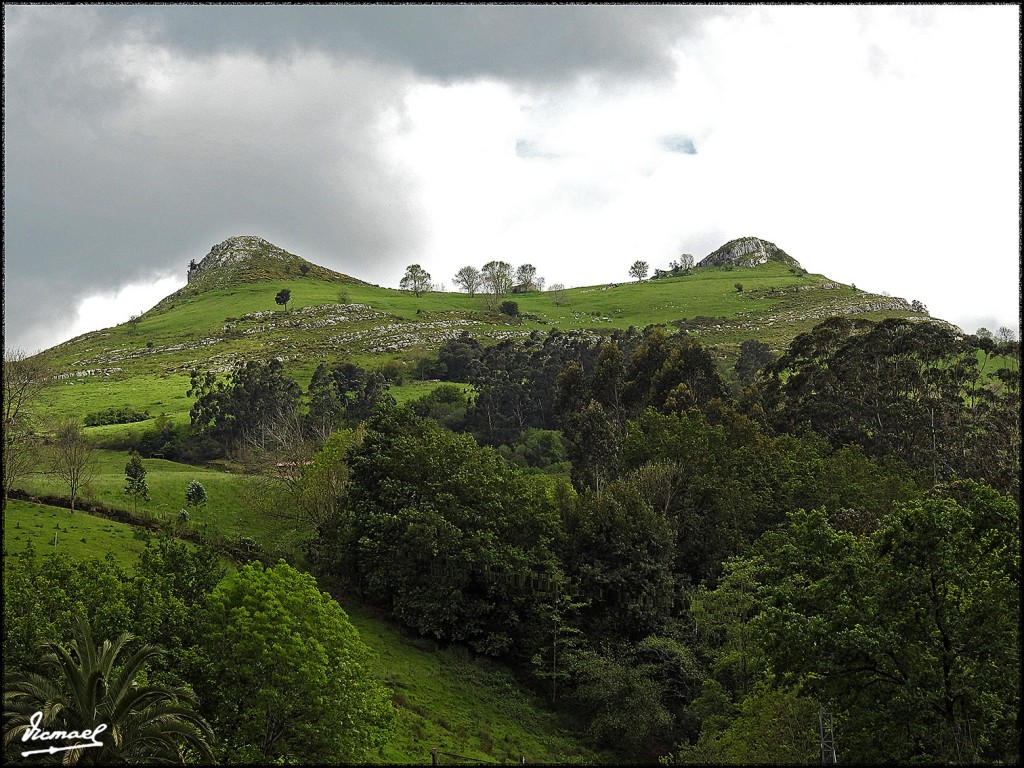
(251, 407)
(525, 275)
(768, 727)
(621, 553)
(624, 706)
(289, 677)
(639, 270)
(901, 390)
(447, 535)
(135, 480)
(497, 278)
(416, 279)
(89, 687)
(283, 297)
(888, 630)
(510, 308)
(195, 494)
(469, 279)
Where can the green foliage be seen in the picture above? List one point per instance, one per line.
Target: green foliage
(288, 673)
(135, 480)
(195, 494)
(510, 308)
(102, 688)
(283, 297)
(910, 391)
(122, 415)
(754, 356)
(639, 270)
(887, 628)
(251, 406)
(446, 534)
(769, 727)
(416, 279)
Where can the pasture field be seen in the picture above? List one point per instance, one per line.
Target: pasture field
(76, 534)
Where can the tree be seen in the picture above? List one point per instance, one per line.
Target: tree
(639, 270)
(497, 278)
(283, 297)
(558, 294)
(525, 275)
(289, 678)
(510, 308)
(1006, 335)
(24, 380)
(73, 458)
(887, 626)
(686, 262)
(754, 356)
(249, 408)
(416, 279)
(469, 278)
(445, 533)
(195, 494)
(135, 480)
(86, 687)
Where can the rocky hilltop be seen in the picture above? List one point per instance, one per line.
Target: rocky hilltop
(240, 250)
(747, 252)
(248, 259)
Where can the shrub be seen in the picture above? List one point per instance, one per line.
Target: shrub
(510, 308)
(123, 415)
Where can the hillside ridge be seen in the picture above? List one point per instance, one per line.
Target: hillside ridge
(247, 259)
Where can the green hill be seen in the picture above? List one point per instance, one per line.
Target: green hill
(228, 313)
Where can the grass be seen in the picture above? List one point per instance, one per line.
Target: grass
(226, 511)
(460, 704)
(76, 534)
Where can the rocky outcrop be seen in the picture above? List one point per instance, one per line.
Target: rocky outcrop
(747, 252)
(242, 250)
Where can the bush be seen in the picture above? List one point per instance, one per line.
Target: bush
(122, 415)
(510, 308)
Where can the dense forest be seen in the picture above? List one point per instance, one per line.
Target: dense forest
(697, 565)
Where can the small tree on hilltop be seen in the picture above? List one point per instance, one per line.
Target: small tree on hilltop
(558, 294)
(526, 274)
(639, 270)
(469, 279)
(135, 481)
(283, 297)
(497, 277)
(416, 279)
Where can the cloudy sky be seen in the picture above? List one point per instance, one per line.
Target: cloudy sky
(877, 145)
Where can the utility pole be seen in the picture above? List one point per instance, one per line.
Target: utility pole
(828, 739)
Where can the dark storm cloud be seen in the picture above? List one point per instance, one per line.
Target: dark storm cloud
(106, 185)
(526, 43)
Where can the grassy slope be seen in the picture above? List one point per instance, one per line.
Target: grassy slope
(78, 535)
